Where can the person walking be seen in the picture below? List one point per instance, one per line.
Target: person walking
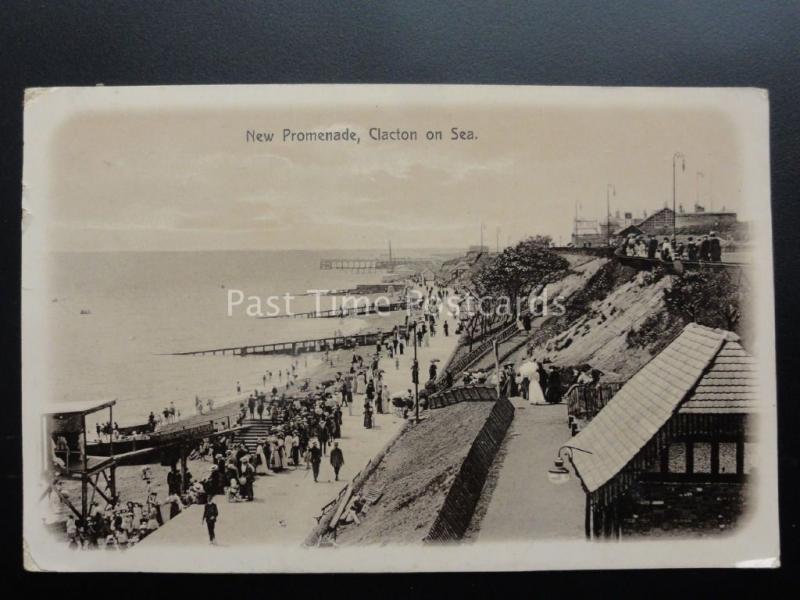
(337, 460)
(446, 329)
(260, 407)
(535, 395)
(251, 406)
(316, 458)
(322, 436)
(210, 515)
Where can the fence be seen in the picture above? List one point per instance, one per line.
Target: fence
(455, 367)
(456, 512)
(467, 393)
(584, 401)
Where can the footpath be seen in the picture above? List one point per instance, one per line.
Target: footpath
(525, 505)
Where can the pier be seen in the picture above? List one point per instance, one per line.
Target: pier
(371, 264)
(292, 348)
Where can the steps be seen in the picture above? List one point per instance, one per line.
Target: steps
(254, 429)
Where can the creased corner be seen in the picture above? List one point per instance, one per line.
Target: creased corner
(33, 94)
(28, 563)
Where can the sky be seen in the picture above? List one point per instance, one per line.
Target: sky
(189, 180)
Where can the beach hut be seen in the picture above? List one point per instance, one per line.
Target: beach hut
(673, 449)
(66, 457)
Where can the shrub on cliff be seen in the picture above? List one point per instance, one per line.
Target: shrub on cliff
(518, 270)
(711, 298)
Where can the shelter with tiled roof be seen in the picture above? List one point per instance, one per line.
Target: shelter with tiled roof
(679, 424)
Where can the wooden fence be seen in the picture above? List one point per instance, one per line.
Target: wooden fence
(467, 393)
(584, 401)
(501, 334)
(459, 506)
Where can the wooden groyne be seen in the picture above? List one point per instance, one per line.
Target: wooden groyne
(292, 348)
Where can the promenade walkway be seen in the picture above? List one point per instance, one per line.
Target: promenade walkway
(287, 503)
(525, 505)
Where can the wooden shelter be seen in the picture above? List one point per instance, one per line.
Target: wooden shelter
(673, 448)
(65, 456)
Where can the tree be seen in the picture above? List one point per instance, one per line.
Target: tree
(517, 270)
(709, 298)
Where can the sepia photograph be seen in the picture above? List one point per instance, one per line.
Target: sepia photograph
(382, 328)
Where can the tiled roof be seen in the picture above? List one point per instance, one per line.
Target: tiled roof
(707, 363)
(729, 384)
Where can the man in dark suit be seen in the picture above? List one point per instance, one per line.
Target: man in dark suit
(714, 247)
(210, 514)
(652, 246)
(704, 249)
(337, 459)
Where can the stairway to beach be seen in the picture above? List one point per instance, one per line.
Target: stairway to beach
(255, 429)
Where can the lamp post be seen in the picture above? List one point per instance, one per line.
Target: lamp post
(675, 157)
(415, 374)
(559, 474)
(700, 175)
(610, 189)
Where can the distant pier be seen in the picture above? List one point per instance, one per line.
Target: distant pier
(370, 264)
(293, 348)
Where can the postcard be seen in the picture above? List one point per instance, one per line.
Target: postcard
(382, 328)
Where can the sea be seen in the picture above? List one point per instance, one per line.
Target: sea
(114, 318)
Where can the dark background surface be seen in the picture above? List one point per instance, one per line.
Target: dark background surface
(675, 43)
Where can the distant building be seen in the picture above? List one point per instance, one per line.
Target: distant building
(673, 449)
(698, 222)
(592, 232)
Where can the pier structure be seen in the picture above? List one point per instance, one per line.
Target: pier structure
(371, 264)
(293, 348)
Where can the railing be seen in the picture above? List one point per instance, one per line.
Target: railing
(642, 263)
(468, 393)
(588, 250)
(585, 400)
(500, 335)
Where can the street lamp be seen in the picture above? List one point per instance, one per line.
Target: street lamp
(559, 474)
(675, 157)
(415, 373)
(610, 189)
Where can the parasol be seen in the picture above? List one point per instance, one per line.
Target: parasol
(527, 369)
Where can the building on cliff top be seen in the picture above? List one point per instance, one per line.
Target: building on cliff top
(589, 232)
(673, 449)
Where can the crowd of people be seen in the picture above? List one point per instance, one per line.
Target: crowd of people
(705, 248)
(305, 432)
(122, 524)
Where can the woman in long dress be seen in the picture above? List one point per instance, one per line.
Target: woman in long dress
(287, 446)
(535, 394)
(262, 457)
